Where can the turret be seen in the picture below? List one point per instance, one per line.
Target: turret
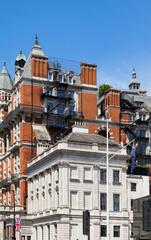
(134, 84)
(19, 65)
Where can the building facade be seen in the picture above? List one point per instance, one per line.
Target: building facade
(129, 119)
(70, 178)
(36, 109)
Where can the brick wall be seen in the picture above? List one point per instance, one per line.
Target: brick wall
(26, 94)
(88, 73)
(89, 105)
(39, 68)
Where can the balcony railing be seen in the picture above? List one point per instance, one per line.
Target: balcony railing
(21, 107)
(6, 182)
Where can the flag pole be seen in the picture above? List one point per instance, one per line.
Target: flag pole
(107, 173)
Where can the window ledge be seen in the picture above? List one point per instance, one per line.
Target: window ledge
(102, 182)
(74, 180)
(117, 183)
(87, 181)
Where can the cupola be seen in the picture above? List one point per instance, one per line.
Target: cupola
(20, 60)
(134, 84)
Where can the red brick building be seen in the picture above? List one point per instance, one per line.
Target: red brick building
(37, 108)
(129, 118)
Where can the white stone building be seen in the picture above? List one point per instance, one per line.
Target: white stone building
(69, 178)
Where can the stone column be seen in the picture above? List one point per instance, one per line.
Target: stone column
(37, 194)
(40, 192)
(33, 210)
(53, 184)
(64, 183)
(29, 196)
(2, 230)
(124, 202)
(49, 190)
(95, 204)
(7, 142)
(46, 191)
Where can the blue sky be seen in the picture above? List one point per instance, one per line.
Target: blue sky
(114, 34)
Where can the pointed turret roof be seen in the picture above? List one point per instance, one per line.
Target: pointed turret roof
(134, 79)
(36, 51)
(5, 79)
(21, 56)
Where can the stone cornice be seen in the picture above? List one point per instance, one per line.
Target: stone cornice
(59, 153)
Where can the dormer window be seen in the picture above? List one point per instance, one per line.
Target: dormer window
(49, 76)
(60, 78)
(142, 117)
(70, 79)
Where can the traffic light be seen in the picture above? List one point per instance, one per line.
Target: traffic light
(86, 222)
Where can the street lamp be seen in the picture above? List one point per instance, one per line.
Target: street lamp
(4, 190)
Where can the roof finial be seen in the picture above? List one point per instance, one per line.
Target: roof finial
(4, 63)
(36, 39)
(134, 73)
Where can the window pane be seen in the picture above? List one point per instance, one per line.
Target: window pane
(71, 95)
(133, 186)
(131, 204)
(116, 231)
(116, 202)
(103, 231)
(48, 232)
(60, 78)
(49, 107)
(60, 109)
(50, 75)
(49, 92)
(115, 176)
(60, 93)
(103, 201)
(103, 175)
(142, 162)
(60, 124)
(142, 133)
(142, 148)
(70, 78)
(49, 122)
(131, 228)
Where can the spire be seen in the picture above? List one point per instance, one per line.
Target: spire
(36, 40)
(5, 79)
(134, 84)
(134, 73)
(4, 70)
(37, 50)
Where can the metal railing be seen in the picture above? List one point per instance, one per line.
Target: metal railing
(21, 107)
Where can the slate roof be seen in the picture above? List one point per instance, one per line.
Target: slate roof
(41, 133)
(5, 79)
(90, 139)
